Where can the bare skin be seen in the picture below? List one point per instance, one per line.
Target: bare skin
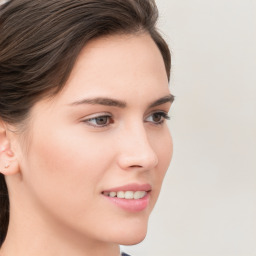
(77, 146)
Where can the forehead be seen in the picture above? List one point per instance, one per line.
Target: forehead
(118, 65)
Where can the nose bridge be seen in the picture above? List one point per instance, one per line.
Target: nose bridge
(136, 150)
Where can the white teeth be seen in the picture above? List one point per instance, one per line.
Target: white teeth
(139, 194)
(126, 194)
(112, 194)
(120, 194)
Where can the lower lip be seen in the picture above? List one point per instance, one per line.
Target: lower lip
(131, 205)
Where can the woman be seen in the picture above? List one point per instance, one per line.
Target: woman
(84, 145)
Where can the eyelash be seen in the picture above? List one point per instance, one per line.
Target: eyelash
(163, 116)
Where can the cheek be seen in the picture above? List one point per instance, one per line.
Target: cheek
(69, 152)
(64, 169)
(164, 149)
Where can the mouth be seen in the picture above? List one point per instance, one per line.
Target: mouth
(126, 194)
(132, 197)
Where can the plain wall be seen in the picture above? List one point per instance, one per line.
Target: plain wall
(207, 206)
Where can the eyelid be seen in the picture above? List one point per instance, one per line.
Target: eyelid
(87, 119)
(97, 115)
(162, 113)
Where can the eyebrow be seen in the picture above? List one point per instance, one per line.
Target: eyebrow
(101, 101)
(120, 104)
(163, 100)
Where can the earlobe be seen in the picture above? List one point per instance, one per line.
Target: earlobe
(8, 162)
(9, 168)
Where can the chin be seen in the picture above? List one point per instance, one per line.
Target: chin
(133, 240)
(132, 236)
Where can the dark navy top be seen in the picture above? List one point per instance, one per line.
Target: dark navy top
(124, 254)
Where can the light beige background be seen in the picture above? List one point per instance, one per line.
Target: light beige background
(208, 203)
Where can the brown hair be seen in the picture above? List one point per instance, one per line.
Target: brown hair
(39, 43)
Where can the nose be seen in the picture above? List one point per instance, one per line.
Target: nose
(136, 152)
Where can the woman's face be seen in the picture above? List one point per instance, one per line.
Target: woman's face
(105, 132)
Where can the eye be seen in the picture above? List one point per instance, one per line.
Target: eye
(157, 118)
(99, 121)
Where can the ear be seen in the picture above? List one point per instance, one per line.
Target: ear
(8, 162)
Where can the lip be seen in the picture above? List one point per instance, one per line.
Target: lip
(130, 205)
(131, 187)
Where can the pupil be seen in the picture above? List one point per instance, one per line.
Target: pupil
(157, 118)
(102, 120)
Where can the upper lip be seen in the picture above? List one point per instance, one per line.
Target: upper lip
(131, 187)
